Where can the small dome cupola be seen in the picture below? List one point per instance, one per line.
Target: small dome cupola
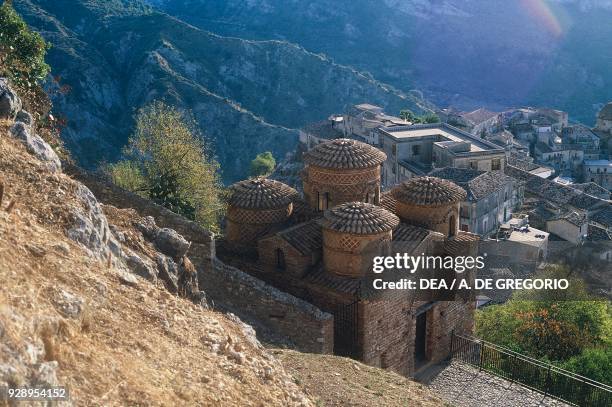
(344, 154)
(342, 170)
(353, 233)
(261, 193)
(256, 207)
(430, 202)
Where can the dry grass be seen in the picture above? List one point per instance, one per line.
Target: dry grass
(337, 381)
(130, 345)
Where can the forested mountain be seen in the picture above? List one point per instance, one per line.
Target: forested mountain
(113, 57)
(465, 53)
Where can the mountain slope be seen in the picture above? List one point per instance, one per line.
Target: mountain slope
(247, 96)
(68, 318)
(495, 53)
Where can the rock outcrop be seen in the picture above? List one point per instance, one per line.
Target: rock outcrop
(10, 103)
(36, 146)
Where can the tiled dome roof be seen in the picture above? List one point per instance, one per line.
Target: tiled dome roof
(344, 154)
(360, 218)
(261, 193)
(428, 191)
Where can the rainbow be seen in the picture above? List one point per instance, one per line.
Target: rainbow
(541, 11)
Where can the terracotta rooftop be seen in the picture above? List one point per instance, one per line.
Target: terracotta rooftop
(477, 184)
(261, 193)
(572, 217)
(603, 217)
(360, 218)
(305, 237)
(428, 191)
(554, 192)
(344, 154)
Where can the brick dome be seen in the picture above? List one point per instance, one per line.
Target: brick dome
(360, 218)
(344, 154)
(428, 191)
(261, 193)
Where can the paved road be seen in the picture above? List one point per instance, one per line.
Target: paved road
(464, 386)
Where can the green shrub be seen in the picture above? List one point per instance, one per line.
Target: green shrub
(263, 165)
(22, 51)
(595, 364)
(554, 326)
(167, 161)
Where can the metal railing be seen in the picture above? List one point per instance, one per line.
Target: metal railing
(544, 378)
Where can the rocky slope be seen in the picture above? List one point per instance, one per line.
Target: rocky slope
(110, 310)
(247, 96)
(466, 53)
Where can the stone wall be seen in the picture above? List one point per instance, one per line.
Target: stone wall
(230, 289)
(310, 329)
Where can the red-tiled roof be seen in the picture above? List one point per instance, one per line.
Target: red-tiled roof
(344, 154)
(428, 191)
(261, 193)
(360, 218)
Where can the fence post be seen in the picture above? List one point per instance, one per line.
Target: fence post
(482, 345)
(547, 385)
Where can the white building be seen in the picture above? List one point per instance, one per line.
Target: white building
(416, 150)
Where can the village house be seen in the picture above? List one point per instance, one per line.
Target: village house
(362, 121)
(518, 244)
(320, 248)
(566, 159)
(592, 189)
(584, 137)
(526, 163)
(416, 150)
(491, 198)
(319, 132)
(603, 218)
(571, 226)
(604, 119)
(561, 196)
(599, 172)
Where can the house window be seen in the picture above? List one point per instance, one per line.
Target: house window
(416, 150)
(474, 165)
(496, 164)
(394, 149)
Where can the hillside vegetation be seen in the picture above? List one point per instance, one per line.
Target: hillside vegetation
(247, 96)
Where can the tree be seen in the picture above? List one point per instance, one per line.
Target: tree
(263, 165)
(407, 115)
(22, 51)
(167, 161)
(554, 325)
(430, 118)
